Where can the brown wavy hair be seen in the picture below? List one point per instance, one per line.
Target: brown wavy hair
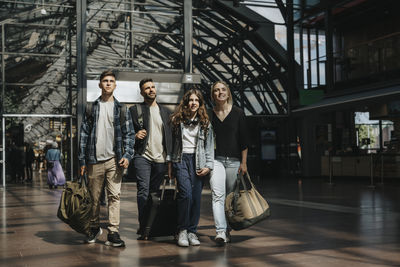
(182, 112)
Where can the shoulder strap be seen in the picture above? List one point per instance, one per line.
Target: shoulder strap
(122, 115)
(88, 112)
(140, 114)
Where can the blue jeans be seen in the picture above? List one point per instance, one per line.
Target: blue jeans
(222, 182)
(189, 195)
(149, 176)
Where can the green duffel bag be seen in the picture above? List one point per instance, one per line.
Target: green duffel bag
(76, 206)
(245, 207)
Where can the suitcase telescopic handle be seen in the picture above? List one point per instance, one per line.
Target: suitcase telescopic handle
(164, 185)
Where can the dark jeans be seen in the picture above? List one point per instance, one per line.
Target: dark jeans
(149, 176)
(189, 193)
(18, 172)
(29, 171)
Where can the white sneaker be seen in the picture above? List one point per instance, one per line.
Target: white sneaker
(193, 239)
(183, 239)
(220, 238)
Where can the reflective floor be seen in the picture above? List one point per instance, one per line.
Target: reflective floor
(312, 224)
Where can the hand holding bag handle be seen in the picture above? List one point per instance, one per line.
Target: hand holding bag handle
(258, 197)
(236, 195)
(83, 178)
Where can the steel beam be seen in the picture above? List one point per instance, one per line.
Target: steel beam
(81, 7)
(131, 34)
(317, 57)
(3, 152)
(3, 123)
(329, 50)
(24, 24)
(37, 116)
(282, 8)
(188, 37)
(290, 52)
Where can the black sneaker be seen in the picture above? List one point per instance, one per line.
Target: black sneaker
(114, 240)
(93, 235)
(141, 234)
(139, 231)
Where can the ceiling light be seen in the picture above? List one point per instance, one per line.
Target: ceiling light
(43, 10)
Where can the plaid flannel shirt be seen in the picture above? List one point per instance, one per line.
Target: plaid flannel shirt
(124, 135)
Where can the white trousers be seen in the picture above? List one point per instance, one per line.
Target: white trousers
(222, 181)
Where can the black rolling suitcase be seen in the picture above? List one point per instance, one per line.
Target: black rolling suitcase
(161, 212)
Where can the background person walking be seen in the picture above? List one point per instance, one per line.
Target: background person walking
(29, 159)
(55, 174)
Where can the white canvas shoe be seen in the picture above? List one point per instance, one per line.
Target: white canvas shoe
(183, 239)
(193, 239)
(220, 238)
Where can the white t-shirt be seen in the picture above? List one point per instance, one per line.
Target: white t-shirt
(155, 149)
(189, 138)
(105, 132)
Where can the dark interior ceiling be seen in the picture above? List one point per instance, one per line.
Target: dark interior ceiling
(345, 12)
(230, 43)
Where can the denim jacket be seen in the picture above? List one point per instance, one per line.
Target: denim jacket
(204, 147)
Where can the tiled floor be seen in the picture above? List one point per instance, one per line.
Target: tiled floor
(312, 224)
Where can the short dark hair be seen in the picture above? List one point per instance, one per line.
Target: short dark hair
(107, 73)
(143, 81)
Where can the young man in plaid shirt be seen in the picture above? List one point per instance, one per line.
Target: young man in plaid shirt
(105, 149)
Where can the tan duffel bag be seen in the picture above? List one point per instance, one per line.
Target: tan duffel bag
(245, 207)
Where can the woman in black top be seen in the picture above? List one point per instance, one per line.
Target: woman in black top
(231, 142)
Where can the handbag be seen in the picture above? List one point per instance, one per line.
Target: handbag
(76, 206)
(49, 164)
(245, 207)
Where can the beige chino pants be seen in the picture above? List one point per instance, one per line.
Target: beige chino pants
(109, 172)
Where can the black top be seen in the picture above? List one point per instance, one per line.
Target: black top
(230, 134)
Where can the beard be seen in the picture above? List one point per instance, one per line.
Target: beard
(150, 97)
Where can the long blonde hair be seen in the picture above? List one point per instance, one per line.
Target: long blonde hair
(230, 100)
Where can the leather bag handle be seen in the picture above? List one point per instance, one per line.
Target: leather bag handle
(241, 180)
(246, 192)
